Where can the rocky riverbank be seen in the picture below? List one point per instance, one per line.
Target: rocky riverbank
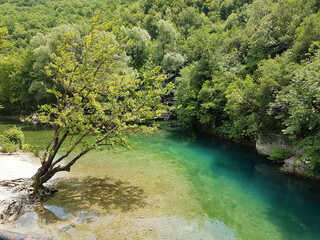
(15, 192)
(266, 144)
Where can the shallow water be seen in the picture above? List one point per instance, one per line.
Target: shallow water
(173, 186)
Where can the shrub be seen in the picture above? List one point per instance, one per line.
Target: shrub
(12, 140)
(9, 147)
(13, 135)
(280, 154)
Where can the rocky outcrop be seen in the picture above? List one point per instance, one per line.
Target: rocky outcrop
(291, 166)
(266, 143)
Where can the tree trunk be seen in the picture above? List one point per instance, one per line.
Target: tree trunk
(42, 176)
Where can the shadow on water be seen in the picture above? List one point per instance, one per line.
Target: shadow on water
(105, 193)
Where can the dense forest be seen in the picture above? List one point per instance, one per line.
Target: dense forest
(241, 68)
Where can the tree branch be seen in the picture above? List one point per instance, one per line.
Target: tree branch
(56, 134)
(70, 164)
(70, 150)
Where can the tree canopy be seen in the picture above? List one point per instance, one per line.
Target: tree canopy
(98, 99)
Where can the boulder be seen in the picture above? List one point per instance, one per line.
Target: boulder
(291, 166)
(266, 143)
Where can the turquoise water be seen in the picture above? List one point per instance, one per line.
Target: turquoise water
(288, 208)
(241, 189)
(175, 186)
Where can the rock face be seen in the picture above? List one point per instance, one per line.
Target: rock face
(291, 166)
(266, 143)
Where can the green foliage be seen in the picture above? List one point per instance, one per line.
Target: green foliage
(172, 62)
(306, 34)
(9, 147)
(12, 139)
(97, 95)
(4, 43)
(17, 78)
(167, 38)
(186, 97)
(137, 48)
(46, 45)
(13, 135)
(24, 19)
(300, 100)
(199, 43)
(212, 100)
(280, 154)
(190, 18)
(310, 155)
(299, 109)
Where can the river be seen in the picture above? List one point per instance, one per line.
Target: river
(173, 186)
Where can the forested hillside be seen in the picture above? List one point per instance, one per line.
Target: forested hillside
(240, 67)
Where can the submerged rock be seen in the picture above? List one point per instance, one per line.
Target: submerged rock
(59, 212)
(85, 216)
(69, 229)
(27, 219)
(172, 227)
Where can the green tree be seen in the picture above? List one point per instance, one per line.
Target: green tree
(172, 62)
(298, 106)
(306, 34)
(242, 107)
(95, 100)
(4, 43)
(44, 47)
(15, 80)
(167, 38)
(137, 48)
(190, 18)
(199, 44)
(186, 97)
(212, 101)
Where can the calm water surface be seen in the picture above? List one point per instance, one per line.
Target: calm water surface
(173, 186)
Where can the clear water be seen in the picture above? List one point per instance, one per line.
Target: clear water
(174, 186)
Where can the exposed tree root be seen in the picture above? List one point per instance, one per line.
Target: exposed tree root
(17, 195)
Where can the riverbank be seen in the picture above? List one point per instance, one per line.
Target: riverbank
(15, 169)
(17, 165)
